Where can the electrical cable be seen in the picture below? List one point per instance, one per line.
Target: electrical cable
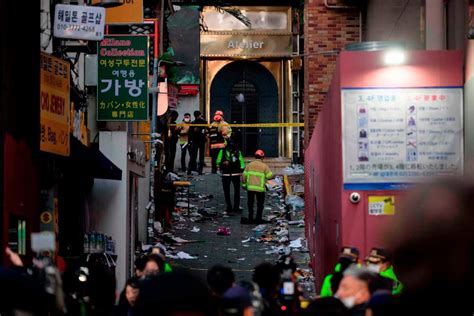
(398, 18)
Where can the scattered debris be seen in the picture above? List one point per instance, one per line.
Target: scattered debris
(297, 243)
(182, 255)
(293, 170)
(195, 229)
(223, 231)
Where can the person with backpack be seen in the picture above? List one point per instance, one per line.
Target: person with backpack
(231, 163)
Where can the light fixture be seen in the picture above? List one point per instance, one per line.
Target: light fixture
(394, 57)
(107, 3)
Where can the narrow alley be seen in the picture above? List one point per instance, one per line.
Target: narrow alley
(195, 242)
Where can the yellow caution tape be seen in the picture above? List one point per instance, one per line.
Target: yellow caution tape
(259, 125)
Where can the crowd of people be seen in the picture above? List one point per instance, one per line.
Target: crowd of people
(431, 247)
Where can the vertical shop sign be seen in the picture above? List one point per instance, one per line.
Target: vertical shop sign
(122, 92)
(392, 137)
(54, 105)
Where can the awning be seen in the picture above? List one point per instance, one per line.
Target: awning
(93, 161)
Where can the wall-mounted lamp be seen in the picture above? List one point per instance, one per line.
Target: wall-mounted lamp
(394, 57)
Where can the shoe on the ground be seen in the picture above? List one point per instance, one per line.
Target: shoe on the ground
(261, 221)
(244, 220)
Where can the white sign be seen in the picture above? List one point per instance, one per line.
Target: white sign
(44, 241)
(79, 22)
(396, 136)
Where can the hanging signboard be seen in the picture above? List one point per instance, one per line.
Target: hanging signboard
(54, 105)
(79, 22)
(122, 91)
(392, 137)
(130, 12)
(237, 45)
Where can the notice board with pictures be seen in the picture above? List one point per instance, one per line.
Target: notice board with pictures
(397, 136)
(122, 91)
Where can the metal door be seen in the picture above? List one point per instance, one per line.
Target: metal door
(247, 93)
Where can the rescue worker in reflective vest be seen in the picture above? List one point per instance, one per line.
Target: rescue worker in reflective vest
(379, 261)
(219, 132)
(348, 256)
(231, 163)
(253, 180)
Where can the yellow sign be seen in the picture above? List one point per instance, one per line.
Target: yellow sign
(54, 105)
(129, 13)
(46, 217)
(381, 205)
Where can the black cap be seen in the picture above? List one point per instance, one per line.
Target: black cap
(378, 255)
(351, 253)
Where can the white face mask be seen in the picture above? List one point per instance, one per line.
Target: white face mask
(348, 301)
(187, 120)
(373, 267)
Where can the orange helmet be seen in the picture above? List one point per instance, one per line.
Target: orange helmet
(217, 117)
(220, 113)
(260, 153)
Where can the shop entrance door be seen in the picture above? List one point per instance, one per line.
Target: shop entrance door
(248, 93)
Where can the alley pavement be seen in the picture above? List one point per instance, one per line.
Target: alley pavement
(243, 249)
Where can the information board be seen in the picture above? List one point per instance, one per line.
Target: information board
(393, 137)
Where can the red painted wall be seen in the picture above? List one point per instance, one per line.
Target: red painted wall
(324, 153)
(323, 169)
(21, 187)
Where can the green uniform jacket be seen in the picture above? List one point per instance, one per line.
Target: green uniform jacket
(326, 288)
(390, 274)
(233, 168)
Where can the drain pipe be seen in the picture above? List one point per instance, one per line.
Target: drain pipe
(336, 7)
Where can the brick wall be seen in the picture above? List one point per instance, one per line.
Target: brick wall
(324, 30)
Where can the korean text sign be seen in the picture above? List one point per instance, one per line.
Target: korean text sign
(79, 22)
(54, 105)
(122, 92)
(398, 136)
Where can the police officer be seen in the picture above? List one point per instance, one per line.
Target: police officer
(253, 180)
(379, 261)
(347, 256)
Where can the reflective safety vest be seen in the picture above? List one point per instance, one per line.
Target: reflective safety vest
(218, 133)
(390, 274)
(215, 136)
(231, 163)
(255, 176)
